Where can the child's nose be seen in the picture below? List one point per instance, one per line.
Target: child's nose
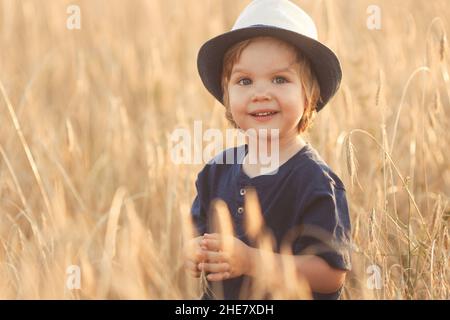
(261, 93)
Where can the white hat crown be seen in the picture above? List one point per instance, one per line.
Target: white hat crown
(277, 13)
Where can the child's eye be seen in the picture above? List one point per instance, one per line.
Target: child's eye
(244, 81)
(280, 80)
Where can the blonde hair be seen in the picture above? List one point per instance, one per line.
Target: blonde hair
(309, 83)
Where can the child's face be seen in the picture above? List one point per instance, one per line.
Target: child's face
(266, 78)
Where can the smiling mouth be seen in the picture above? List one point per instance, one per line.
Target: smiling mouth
(263, 114)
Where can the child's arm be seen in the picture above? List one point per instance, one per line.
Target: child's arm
(243, 260)
(321, 277)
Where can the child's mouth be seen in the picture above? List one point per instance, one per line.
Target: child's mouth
(264, 116)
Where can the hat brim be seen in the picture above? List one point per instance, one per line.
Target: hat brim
(324, 62)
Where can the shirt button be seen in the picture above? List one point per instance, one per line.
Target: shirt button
(242, 191)
(240, 210)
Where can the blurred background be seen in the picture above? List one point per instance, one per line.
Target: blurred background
(86, 177)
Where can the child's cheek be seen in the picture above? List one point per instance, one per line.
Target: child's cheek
(234, 96)
(234, 109)
(237, 106)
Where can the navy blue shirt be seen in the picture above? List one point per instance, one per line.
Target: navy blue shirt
(304, 194)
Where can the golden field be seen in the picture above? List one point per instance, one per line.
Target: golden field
(86, 176)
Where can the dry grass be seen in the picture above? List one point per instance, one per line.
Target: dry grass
(85, 172)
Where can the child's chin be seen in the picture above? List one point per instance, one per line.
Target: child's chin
(262, 132)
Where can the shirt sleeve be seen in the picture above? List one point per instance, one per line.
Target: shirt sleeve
(324, 227)
(199, 206)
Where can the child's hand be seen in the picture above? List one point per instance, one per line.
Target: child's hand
(227, 257)
(194, 253)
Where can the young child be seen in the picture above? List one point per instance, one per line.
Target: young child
(270, 72)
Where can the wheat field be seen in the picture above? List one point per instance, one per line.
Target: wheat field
(86, 177)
